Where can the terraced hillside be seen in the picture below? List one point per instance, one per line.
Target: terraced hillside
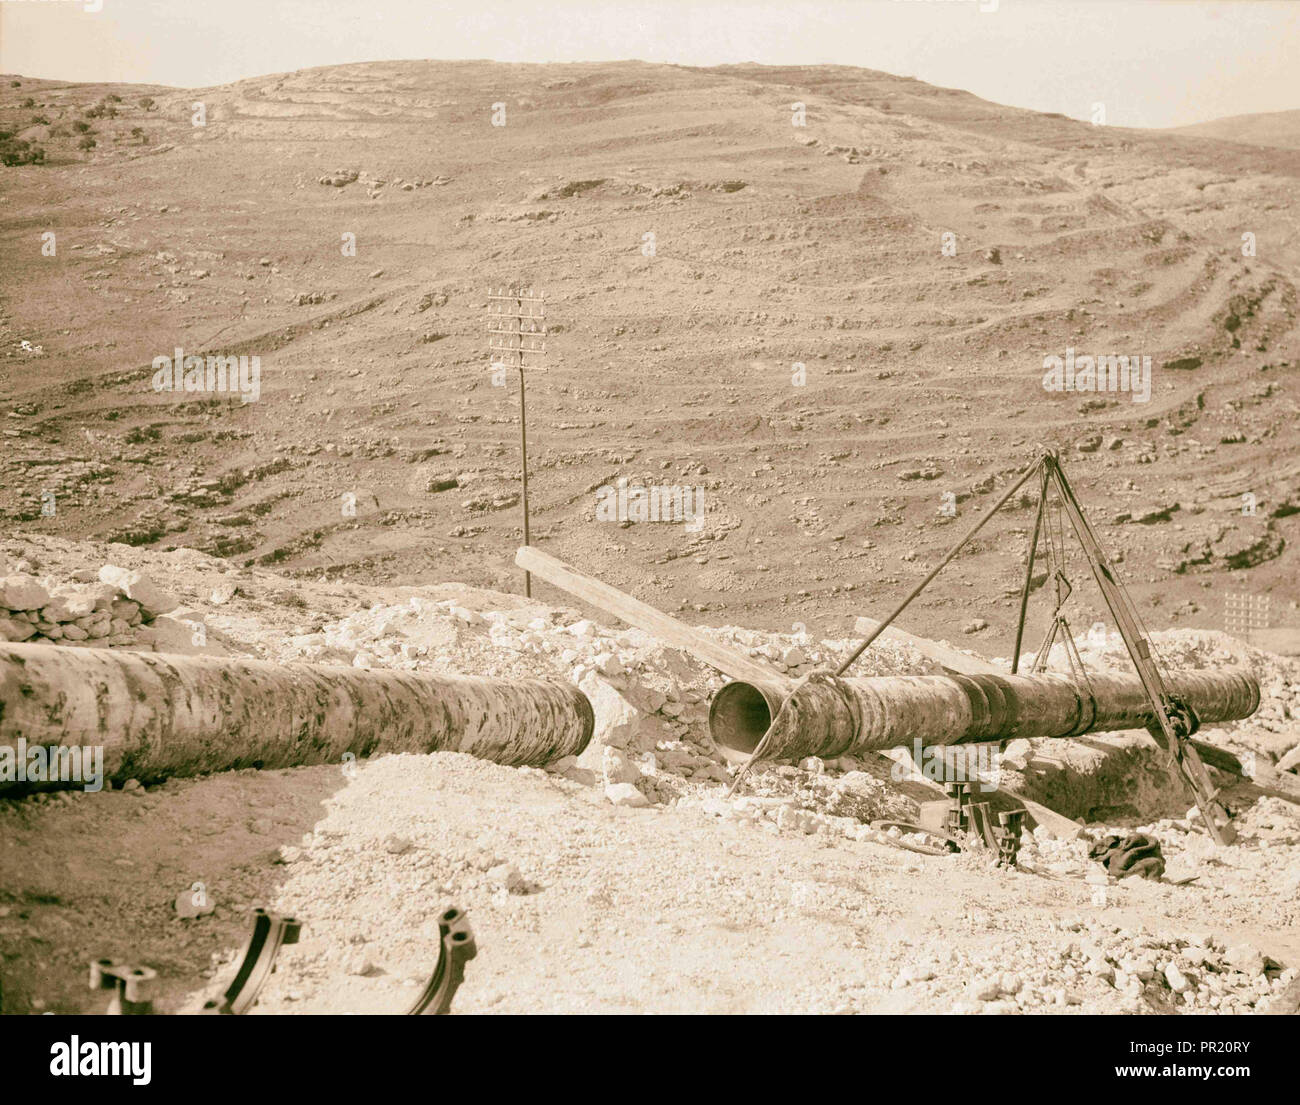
(762, 310)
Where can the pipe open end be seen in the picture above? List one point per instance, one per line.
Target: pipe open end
(738, 718)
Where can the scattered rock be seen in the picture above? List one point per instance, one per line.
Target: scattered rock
(625, 794)
(506, 876)
(15, 630)
(616, 767)
(1245, 958)
(358, 963)
(222, 593)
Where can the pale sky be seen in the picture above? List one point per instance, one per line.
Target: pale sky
(1154, 63)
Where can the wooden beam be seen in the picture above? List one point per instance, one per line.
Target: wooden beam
(950, 658)
(669, 630)
(1279, 784)
(1060, 826)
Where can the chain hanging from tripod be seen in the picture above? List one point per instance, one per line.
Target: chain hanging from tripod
(1060, 626)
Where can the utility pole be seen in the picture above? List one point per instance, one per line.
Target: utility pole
(517, 331)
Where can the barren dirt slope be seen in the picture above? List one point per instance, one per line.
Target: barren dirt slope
(774, 246)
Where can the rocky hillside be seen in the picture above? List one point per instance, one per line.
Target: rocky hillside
(760, 310)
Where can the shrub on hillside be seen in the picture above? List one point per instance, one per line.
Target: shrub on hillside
(18, 151)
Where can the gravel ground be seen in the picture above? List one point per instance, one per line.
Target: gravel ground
(582, 906)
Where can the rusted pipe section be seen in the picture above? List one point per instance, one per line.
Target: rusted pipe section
(158, 715)
(838, 717)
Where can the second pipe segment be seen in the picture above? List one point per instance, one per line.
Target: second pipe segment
(845, 716)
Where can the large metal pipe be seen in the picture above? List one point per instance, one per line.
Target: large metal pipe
(837, 717)
(158, 715)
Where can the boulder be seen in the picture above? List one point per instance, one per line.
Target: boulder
(68, 607)
(193, 903)
(617, 767)
(625, 794)
(616, 718)
(223, 593)
(22, 592)
(178, 635)
(1245, 958)
(506, 876)
(139, 588)
(125, 609)
(15, 629)
(619, 724)
(103, 595)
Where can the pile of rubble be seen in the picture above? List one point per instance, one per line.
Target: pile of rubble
(103, 609)
(980, 941)
(1095, 962)
(651, 748)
